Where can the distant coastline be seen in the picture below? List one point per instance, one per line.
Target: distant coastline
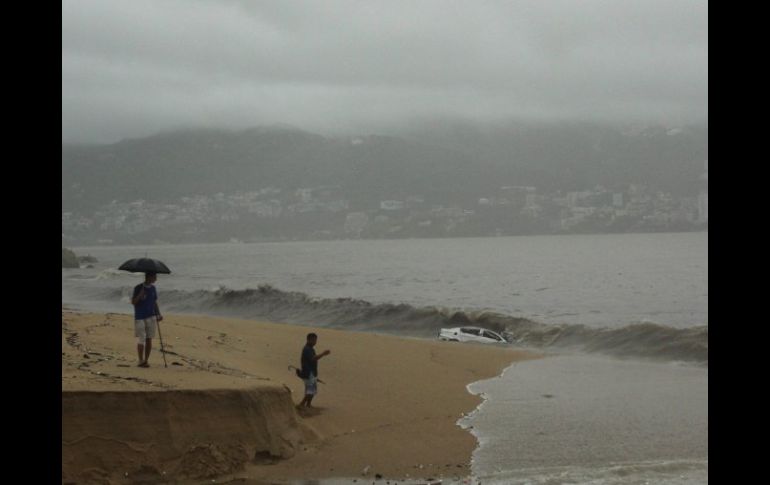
(283, 184)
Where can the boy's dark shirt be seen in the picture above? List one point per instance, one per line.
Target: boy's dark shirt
(309, 364)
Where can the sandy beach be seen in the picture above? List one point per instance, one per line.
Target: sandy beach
(223, 408)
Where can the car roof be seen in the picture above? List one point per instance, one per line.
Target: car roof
(475, 328)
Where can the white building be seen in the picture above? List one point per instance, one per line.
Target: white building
(575, 199)
(392, 205)
(355, 222)
(305, 195)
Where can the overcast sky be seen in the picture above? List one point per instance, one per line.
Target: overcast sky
(133, 68)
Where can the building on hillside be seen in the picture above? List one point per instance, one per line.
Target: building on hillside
(355, 223)
(392, 205)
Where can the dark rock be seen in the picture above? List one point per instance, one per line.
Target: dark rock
(68, 259)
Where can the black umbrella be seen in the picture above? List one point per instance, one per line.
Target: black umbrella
(145, 265)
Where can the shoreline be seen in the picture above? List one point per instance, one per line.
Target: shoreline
(388, 404)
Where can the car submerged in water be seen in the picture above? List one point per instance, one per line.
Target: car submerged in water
(471, 334)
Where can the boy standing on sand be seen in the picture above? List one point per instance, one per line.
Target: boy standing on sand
(146, 316)
(309, 372)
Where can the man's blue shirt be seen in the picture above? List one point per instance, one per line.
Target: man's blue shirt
(145, 308)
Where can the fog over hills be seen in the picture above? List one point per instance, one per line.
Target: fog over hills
(450, 161)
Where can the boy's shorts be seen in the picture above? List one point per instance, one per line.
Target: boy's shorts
(311, 385)
(145, 328)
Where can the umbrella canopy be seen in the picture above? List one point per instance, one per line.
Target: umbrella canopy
(145, 265)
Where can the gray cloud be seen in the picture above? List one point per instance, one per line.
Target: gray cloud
(135, 68)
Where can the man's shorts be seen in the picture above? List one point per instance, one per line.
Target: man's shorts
(145, 328)
(311, 385)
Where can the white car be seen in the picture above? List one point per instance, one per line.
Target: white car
(471, 334)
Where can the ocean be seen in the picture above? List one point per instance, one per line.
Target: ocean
(622, 398)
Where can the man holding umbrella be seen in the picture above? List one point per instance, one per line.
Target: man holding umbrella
(146, 316)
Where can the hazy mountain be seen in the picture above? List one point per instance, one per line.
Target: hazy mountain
(448, 161)
(573, 156)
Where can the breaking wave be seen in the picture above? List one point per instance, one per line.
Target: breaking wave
(638, 340)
